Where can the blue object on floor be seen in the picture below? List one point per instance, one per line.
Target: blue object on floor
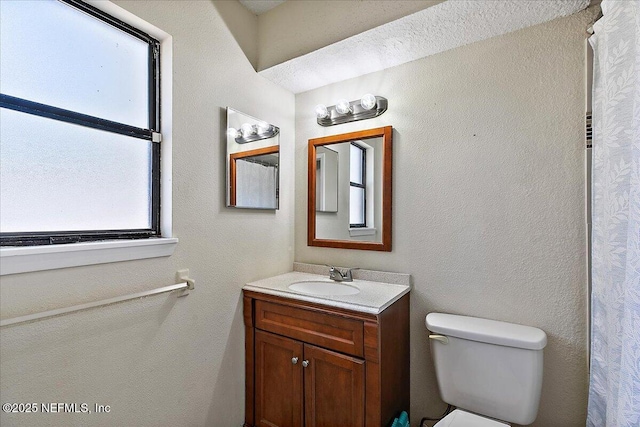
(403, 419)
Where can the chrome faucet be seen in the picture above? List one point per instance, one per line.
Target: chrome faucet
(339, 276)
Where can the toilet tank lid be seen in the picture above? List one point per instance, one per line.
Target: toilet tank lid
(487, 331)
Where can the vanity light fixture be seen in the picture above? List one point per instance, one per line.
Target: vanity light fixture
(263, 128)
(343, 107)
(321, 111)
(251, 133)
(247, 130)
(369, 106)
(368, 101)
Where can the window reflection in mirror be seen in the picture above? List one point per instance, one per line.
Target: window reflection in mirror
(354, 210)
(358, 184)
(252, 163)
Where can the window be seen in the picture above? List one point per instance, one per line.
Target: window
(80, 117)
(357, 186)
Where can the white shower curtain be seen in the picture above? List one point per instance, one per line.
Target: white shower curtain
(614, 391)
(255, 185)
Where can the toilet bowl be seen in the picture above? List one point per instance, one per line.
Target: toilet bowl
(490, 370)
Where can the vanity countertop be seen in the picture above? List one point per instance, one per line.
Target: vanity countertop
(373, 297)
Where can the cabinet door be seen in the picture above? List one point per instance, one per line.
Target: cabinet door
(333, 389)
(278, 392)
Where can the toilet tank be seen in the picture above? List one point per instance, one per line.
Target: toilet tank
(488, 367)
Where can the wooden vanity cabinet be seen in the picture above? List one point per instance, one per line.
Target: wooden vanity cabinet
(310, 365)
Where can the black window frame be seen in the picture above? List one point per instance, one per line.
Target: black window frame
(68, 116)
(363, 186)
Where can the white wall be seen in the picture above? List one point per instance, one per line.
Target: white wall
(162, 360)
(488, 219)
(488, 198)
(295, 28)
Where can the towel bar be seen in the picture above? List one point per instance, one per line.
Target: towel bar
(51, 313)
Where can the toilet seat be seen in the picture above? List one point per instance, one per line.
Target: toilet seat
(459, 418)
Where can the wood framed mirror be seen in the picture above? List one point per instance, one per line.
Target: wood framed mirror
(352, 173)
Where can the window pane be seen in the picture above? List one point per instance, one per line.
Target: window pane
(356, 205)
(56, 55)
(56, 176)
(356, 164)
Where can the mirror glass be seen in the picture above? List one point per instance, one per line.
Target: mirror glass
(253, 156)
(326, 179)
(350, 181)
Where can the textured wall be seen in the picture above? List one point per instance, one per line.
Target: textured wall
(162, 360)
(436, 29)
(488, 219)
(297, 27)
(488, 198)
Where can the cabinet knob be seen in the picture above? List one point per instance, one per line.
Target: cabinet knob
(305, 363)
(294, 360)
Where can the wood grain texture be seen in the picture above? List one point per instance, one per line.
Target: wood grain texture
(334, 389)
(279, 386)
(329, 331)
(386, 133)
(247, 310)
(249, 374)
(373, 396)
(394, 359)
(371, 341)
(384, 362)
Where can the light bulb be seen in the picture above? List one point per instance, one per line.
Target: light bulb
(263, 127)
(233, 133)
(247, 130)
(321, 111)
(368, 101)
(343, 106)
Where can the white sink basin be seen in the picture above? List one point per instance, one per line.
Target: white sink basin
(323, 288)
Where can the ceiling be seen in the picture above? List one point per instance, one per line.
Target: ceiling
(259, 7)
(445, 26)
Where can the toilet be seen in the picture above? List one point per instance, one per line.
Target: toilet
(490, 370)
